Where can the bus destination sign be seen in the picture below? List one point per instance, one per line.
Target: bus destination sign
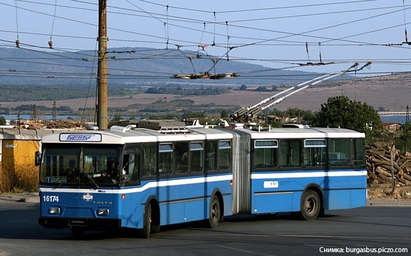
(80, 137)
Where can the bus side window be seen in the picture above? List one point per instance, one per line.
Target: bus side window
(196, 157)
(211, 155)
(359, 153)
(224, 155)
(148, 153)
(265, 154)
(181, 156)
(290, 153)
(131, 168)
(165, 159)
(315, 152)
(339, 152)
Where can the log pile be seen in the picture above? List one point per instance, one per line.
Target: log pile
(50, 124)
(380, 169)
(63, 124)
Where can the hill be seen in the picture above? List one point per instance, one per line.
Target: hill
(128, 67)
(384, 93)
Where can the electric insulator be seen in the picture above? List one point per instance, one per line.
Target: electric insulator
(18, 43)
(50, 44)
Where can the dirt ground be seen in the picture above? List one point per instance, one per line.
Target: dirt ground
(383, 191)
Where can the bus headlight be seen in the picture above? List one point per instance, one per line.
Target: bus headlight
(103, 212)
(54, 210)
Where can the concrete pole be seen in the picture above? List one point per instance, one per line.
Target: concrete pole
(102, 117)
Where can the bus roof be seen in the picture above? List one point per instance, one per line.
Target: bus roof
(141, 135)
(138, 135)
(299, 133)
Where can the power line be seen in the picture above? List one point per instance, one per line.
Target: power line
(289, 34)
(326, 39)
(49, 53)
(95, 25)
(286, 43)
(192, 20)
(305, 34)
(317, 14)
(78, 66)
(92, 38)
(256, 9)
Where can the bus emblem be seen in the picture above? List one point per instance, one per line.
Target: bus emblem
(87, 197)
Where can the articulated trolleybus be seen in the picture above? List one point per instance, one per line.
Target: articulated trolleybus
(141, 178)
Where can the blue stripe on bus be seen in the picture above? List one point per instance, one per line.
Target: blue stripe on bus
(130, 209)
(284, 194)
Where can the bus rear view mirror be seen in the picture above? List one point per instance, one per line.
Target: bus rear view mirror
(37, 158)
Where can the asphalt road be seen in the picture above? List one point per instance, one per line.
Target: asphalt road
(371, 227)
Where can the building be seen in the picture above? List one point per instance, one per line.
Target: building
(391, 127)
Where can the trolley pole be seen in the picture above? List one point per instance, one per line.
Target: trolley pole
(102, 118)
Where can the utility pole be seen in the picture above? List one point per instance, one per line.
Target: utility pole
(102, 120)
(407, 120)
(34, 113)
(54, 111)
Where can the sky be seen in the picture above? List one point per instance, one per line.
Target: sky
(272, 33)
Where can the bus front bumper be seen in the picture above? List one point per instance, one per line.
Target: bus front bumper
(79, 222)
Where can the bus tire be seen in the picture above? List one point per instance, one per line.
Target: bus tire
(155, 217)
(310, 205)
(147, 224)
(215, 212)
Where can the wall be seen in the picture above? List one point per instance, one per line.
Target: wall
(1, 149)
(18, 169)
(7, 177)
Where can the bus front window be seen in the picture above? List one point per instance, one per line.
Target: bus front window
(80, 165)
(100, 164)
(60, 165)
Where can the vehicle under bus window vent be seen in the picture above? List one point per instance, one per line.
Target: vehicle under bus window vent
(260, 128)
(127, 128)
(174, 130)
(301, 126)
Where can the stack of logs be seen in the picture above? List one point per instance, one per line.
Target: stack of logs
(380, 167)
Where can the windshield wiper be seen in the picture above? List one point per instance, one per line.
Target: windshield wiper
(90, 179)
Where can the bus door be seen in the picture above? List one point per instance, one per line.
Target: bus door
(241, 172)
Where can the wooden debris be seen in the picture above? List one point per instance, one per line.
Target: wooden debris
(381, 170)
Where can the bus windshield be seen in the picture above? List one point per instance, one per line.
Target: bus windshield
(80, 165)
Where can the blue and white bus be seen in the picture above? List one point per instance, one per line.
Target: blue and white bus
(141, 178)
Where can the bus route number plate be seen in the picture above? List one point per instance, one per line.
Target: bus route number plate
(271, 184)
(51, 199)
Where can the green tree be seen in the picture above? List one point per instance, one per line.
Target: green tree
(403, 142)
(2, 120)
(197, 115)
(224, 113)
(116, 117)
(342, 112)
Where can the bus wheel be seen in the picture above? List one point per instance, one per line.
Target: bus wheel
(155, 218)
(214, 212)
(310, 205)
(147, 222)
